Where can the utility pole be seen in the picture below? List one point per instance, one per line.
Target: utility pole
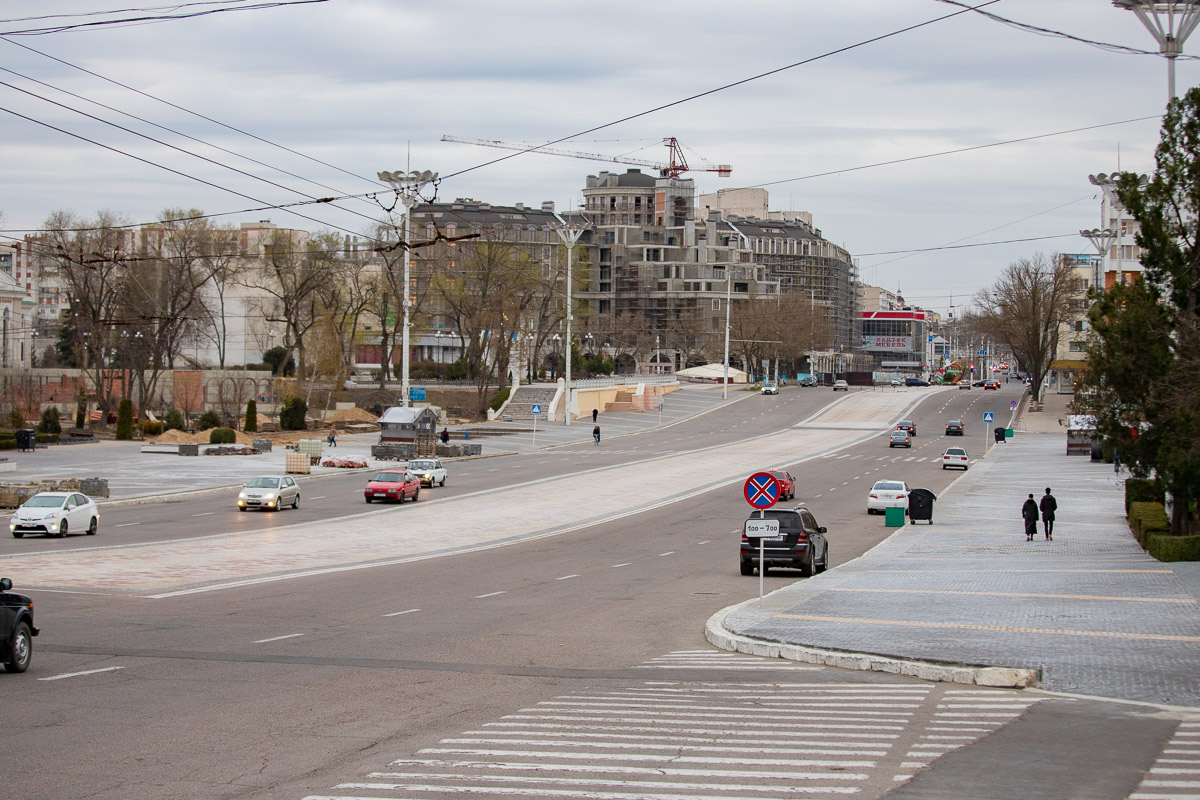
(570, 235)
(408, 186)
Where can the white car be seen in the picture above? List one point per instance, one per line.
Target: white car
(55, 514)
(841, 386)
(955, 457)
(271, 492)
(887, 494)
(770, 388)
(429, 470)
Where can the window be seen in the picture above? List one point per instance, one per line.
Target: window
(1076, 347)
(716, 304)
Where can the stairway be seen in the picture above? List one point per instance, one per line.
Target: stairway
(520, 407)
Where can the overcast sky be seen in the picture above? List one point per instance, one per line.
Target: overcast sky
(357, 83)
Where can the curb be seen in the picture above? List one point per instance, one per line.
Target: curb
(967, 674)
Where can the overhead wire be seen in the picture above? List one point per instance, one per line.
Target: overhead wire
(150, 19)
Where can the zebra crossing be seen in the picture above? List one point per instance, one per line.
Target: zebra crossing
(1176, 773)
(683, 740)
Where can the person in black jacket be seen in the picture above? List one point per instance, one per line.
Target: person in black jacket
(1030, 512)
(1048, 505)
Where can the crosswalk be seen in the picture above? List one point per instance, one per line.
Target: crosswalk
(701, 740)
(1176, 773)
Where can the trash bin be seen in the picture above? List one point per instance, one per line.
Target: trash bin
(920, 505)
(26, 438)
(1008, 433)
(893, 517)
(999, 432)
(1097, 450)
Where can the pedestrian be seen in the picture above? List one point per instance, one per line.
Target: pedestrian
(1048, 506)
(1030, 512)
(595, 415)
(445, 436)
(1116, 461)
(332, 438)
(596, 434)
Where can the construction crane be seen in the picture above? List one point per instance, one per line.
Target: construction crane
(673, 169)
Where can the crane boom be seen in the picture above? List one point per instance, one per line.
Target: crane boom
(677, 166)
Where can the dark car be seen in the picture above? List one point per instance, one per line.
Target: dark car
(393, 484)
(907, 425)
(910, 381)
(954, 427)
(992, 385)
(16, 628)
(807, 380)
(786, 482)
(800, 544)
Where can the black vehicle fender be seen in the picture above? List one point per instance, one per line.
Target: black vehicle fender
(24, 614)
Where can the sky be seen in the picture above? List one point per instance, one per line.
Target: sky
(810, 100)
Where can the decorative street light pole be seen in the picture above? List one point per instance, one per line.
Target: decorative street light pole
(569, 233)
(1170, 22)
(1102, 240)
(407, 185)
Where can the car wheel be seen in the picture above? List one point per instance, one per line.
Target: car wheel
(442, 482)
(62, 529)
(296, 502)
(93, 527)
(367, 499)
(825, 560)
(747, 567)
(18, 534)
(416, 494)
(807, 568)
(21, 651)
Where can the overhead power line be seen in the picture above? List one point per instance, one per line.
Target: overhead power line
(145, 19)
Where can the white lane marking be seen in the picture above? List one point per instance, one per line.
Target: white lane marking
(566, 577)
(126, 524)
(496, 469)
(399, 613)
(319, 497)
(625, 564)
(489, 594)
(277, 638)
(204, 514)
(706, 541)
(668, 553)
(76, 674)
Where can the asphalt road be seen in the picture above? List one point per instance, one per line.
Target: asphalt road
(560, 659)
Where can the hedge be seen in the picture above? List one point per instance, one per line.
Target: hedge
(222, 436)
(1142, 490)
(499, 399)
(8, 444)
(46, 438)
(1173, 548)
(150, 428)
(1147, 519)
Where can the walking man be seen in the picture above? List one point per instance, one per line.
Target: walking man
(332, 438)
(445, 436)
(596, 436)
(1048, 505)
(1030, 512)
(595, 414)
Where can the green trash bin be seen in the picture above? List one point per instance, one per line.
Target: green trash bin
(894, 517)
(1008, 433)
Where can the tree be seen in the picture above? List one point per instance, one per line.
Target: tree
(292, 415)
(1025, 308)
(1143, 374)
(251, 425)
(50, 423)
(125, 419)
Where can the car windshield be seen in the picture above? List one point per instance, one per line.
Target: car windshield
(905, 423)
(389, 477)
(889, 486)
(48, 501)
(421, 464)
(263, 483)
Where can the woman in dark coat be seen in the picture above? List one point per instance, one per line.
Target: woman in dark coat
(1030, 512)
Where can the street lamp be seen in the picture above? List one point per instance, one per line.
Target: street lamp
(1170, 22)
(569, 233)
(1102, 240)
(407, 185)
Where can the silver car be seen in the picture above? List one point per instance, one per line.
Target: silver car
(271, 492)
(55, 514)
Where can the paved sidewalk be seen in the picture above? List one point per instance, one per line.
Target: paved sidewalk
(1089, 612)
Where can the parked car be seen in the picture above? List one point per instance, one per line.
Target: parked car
(899, 437)
(907, 425)
(887, 494)
(841, 386)
(897, 382)
(393, 484)
(801, 543)
(770, 388)
(807, 380)
(429, 470)
(271, 492)
(55, 514)
(911, 381)
(954, 427)
(786, 483)
(992, 385)
(955, 457)
(16, 628)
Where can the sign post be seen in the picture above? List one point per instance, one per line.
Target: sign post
(535, 409)
(761, 491)
(987, 417)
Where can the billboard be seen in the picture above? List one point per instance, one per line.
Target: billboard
(892, 343)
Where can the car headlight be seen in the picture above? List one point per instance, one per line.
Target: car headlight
(269, 496)
(241, 495)
(428, 476)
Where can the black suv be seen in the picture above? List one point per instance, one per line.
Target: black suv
(16, 628)
(800, 544)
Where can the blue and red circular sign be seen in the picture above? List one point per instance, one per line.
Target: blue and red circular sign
(761, 490)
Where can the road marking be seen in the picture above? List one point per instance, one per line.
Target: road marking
(77, 674)
(706, 541)
(126, 524)
(204, 514)
(1022, 594)
(277, 638)
(626, 564)
(566, 577)
(668, 553)
(1007, 628)
(489, 594)
(320, 497)
(400, 613)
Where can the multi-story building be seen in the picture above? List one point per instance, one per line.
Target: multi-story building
(1070, 354)
(896, 340)
(17, 313)
(1121, 261)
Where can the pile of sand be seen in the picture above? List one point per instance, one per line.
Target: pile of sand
(352, 415)
(174, 437)
(199, 437)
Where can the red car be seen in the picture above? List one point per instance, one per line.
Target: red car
(786, 483)
(397, 484)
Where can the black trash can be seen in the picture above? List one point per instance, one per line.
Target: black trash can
(26, 438)
(1097, 450)
(920, 505)
(999, 432)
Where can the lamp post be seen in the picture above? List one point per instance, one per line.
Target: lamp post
(1170, 22)
(728, 298)
(1102, 240)
(569, 234)
(407, 185)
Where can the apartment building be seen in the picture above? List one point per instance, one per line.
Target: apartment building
(1121, 259)
(17, 313)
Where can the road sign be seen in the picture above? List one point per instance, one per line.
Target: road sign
(1012, 403)
(761, 528)
(988, 416)
(536, 409)
(981, 352)
(761, 491)
(416, 394)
